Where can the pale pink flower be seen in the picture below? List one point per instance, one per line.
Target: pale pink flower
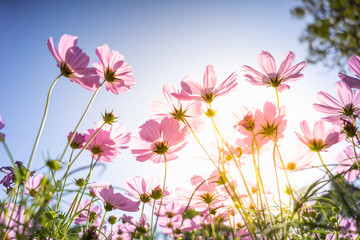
(143, 190)
(171, 209)
(295, 158)
(319, 139)
(124, 232)
(105, 192)
(157, 140)
(243, 234)
(220, 217)
(206, 194)
(354, 65)
(348, 105)
(108, 142)
(347, 161)
(192, 90)
(175, 227)
(14, 217)
(73, 62)
(181, 110)
(140, 227)
(287, 72)
(78, 141)
(33, 185)
(114, 70)
(2, 125)
(89, 212)
(265, 125)
(349, 228)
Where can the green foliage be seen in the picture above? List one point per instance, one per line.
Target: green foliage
(333, 30)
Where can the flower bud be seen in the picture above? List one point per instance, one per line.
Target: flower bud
(109, 118)
(112, 219)
(336, 209)
(51, 215)
(80, 182)
(11, 192)
(53, 165)
(210, 113)
(157, 193)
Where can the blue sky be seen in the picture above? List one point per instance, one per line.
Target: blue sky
(163, 41)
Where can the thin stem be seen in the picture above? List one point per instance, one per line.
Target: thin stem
(152, 219)
(162, 197)
(81, 119)
(7, 149)
(63, 187)
(102, 223)
(212, 223)
(237, 165)
(197, 139)
(277, 184)
(277, 97)
(260, 178)
(343, 188)
(87, 216)
(42, 123)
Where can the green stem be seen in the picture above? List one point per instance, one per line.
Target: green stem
(152, 219)
(63, 186)
(81, 119)
(162, 197)
(87, 216)
(7, 150)
(277, 97)
(277, 184)
(102, 223)
(212, 223)
(343, 188)
(42, 124)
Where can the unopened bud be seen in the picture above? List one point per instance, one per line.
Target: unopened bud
(112, 219)
(109, 118)
(80, 182)
(210, 113)
(54, 164)
(157, 193)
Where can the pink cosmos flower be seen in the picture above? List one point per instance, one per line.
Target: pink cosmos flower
(272, 77)
(346, 161)
(89, 212)
(175, 227)
(78, 141)
(15, 223)
(192, 90)
(354, 65)
(349, 229)
(171, 209)
(2, 125)
(124, 232)
(33, 185)
(206, 195)
(220, 217)
(73, 62)
(348, 105)
(159, 139)
(295, 158)
(105, 192)
(114, 70)
(183, 111)
(108, 142)
(319, 139)
(144, 190)
(265, 125)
